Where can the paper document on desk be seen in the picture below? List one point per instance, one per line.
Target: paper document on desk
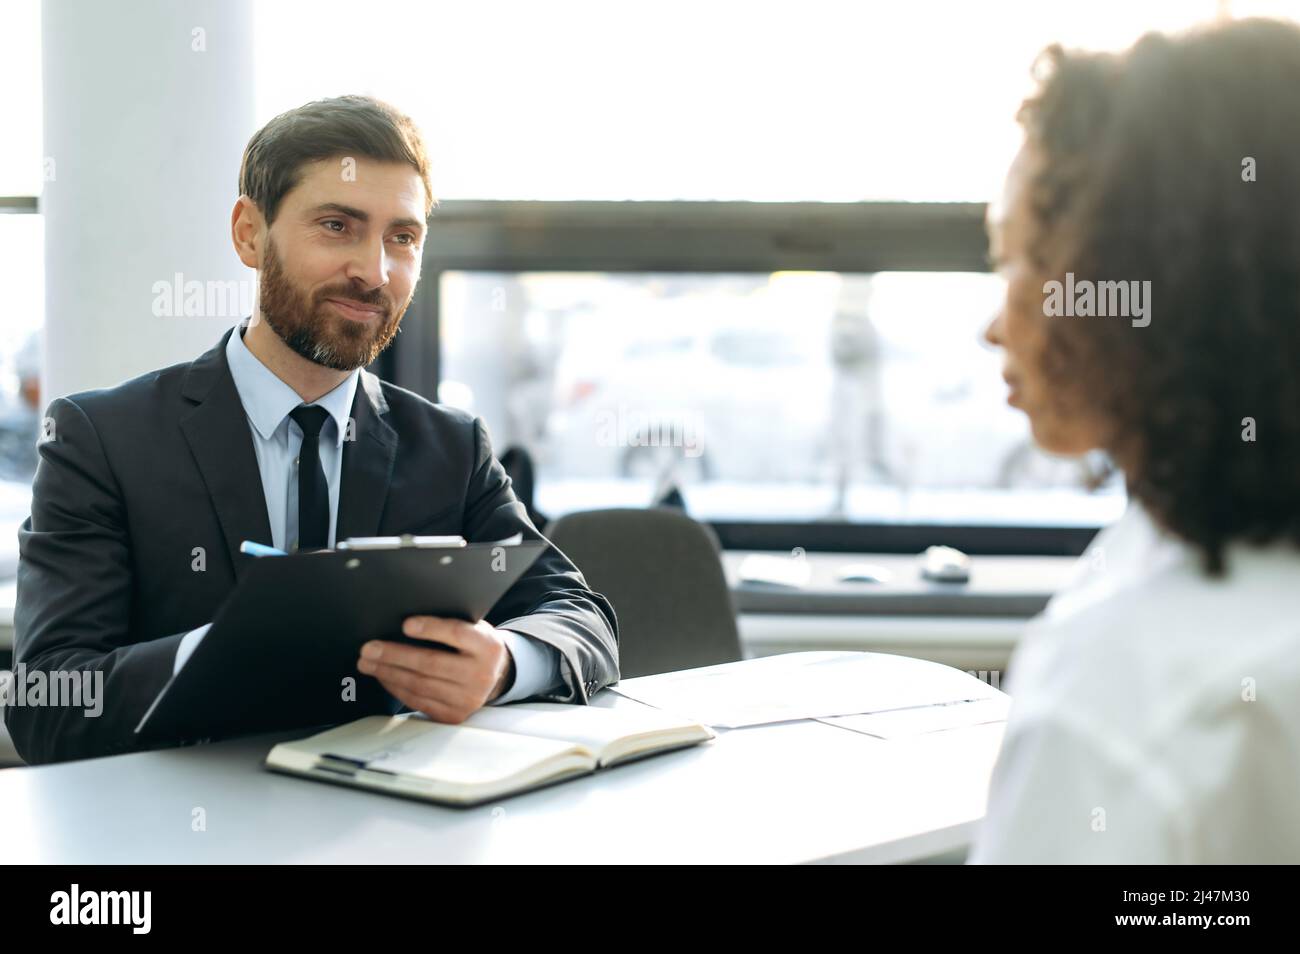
(904, 723)
(809, 685)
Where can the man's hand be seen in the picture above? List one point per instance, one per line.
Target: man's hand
(445, 686)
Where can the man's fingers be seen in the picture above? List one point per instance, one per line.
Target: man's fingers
(429, 688)
(455, 633)
(387, 669)
(433, 708)
(458, 680)
(433, 662)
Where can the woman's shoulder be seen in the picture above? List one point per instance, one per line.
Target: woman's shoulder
(1150, 647)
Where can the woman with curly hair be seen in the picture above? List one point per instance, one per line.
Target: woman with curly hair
(1156, 713)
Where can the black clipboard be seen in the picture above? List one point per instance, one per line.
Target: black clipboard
(285, 642)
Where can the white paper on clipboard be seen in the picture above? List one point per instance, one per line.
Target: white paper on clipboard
(451, 541)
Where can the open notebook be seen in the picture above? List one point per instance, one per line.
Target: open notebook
(497, 751)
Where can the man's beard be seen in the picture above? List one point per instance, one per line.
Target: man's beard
(314, 330)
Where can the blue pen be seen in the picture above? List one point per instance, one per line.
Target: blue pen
(259, 549)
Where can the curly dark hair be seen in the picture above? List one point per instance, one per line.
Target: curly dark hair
(1141, 174)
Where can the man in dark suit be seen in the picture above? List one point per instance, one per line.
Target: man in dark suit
(278, 435)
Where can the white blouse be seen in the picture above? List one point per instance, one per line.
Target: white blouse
(1156, 712)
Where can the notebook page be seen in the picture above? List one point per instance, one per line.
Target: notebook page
(453, 754)
(592, 726)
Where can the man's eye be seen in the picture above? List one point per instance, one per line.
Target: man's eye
(410, 239)
(331, 222)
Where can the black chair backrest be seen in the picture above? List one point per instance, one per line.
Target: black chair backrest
(663, 573)
(518, 465)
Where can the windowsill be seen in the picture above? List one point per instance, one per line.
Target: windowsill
(1011, 587)
(973, 626)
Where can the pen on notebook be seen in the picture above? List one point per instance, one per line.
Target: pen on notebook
(259, 549)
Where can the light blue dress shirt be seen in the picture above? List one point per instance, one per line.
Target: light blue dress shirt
(276, 440)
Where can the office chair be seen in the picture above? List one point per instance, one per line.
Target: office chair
(663, 573)
(518, 465)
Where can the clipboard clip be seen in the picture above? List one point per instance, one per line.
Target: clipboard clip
(412, 541)
(405, 541)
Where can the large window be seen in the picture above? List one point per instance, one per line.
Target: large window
(21, 248)
(801, 374)
(789, 396)
(23, 171)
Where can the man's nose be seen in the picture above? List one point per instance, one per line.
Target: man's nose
(369, 266)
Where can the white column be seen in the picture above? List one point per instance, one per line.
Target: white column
(147, 107)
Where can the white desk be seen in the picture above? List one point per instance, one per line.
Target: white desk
(793, 792)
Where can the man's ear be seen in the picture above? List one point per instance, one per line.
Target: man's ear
(246, 225)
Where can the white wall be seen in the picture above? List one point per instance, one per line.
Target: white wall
(143, 137)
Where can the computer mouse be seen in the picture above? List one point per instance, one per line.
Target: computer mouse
(945, 565)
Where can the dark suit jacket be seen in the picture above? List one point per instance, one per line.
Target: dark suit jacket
(139, 475)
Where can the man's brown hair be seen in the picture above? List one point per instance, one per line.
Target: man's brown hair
(323, 129)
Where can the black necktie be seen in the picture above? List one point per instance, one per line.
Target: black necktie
(313, 492)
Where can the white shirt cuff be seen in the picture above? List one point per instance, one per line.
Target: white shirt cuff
(537, 667)
(189, 642)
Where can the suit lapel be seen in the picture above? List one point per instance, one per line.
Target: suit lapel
(221, 441)
(220, 438)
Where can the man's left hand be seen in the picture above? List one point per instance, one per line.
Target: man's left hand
(445, 686)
